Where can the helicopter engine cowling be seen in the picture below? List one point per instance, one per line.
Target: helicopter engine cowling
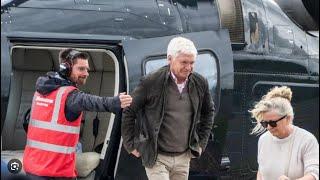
(303, 12)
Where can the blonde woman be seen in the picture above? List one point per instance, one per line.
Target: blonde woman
(285, 151)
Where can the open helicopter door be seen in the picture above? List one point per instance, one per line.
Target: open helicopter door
(213, 62)
(5, 77)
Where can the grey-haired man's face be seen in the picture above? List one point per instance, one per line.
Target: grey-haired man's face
(182, 65)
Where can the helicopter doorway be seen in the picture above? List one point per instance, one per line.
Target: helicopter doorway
(30, 62)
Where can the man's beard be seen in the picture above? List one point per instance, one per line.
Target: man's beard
(81, 81)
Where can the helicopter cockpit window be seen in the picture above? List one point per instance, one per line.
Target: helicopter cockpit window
(204, 65)
(283, 39)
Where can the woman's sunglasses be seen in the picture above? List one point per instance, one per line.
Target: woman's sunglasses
(272, 123)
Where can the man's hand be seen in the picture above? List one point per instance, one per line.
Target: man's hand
(125, 100)
(283, 177)
(135, 153)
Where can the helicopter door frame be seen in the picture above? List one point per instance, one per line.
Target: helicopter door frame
(6, 70)
(137, 52)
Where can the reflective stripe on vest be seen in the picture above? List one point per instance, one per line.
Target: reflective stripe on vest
(50, 147)
(57, 104)
(53, 125)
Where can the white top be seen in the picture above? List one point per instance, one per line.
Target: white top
(273, 155)
(180, 86)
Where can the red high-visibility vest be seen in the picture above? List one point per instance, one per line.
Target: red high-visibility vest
(51, 139)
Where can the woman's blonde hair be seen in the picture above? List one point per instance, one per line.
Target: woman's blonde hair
(277, 99)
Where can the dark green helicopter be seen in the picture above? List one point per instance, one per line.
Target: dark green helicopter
(245, 48)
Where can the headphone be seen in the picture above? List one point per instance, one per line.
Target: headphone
(65, 68)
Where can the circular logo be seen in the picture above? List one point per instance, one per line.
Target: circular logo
(14, 166)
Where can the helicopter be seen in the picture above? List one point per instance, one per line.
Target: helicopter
(245, 48)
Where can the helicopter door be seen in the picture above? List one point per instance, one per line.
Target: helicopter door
(146, 55)
(5, 77)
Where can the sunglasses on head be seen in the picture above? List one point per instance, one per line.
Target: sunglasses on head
(272, 123)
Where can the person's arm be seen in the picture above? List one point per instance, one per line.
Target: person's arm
(307, 177)
(129, 117)
(259, 174)
(206, 118)
(78, 101)
(259, 177)
(311, 159)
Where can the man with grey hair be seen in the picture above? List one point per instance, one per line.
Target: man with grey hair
(171, 115)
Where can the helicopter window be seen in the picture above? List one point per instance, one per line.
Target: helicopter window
(283, 39)
(204, 65)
